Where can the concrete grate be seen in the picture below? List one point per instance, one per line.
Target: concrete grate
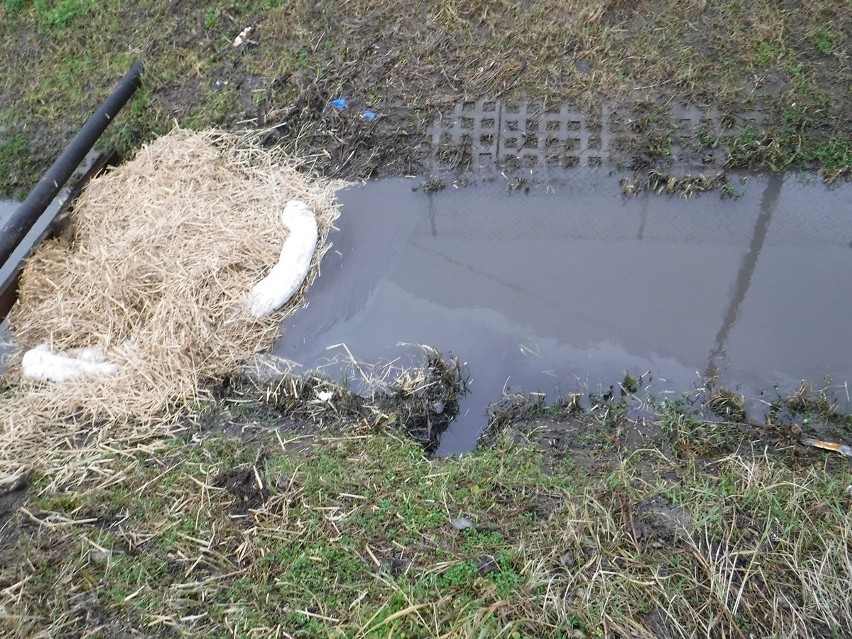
(491, 134)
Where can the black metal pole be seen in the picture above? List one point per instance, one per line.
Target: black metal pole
(31, 209)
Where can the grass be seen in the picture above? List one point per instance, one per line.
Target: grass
(60, 58)
(729, 404)
(354, 536)
(351, 531)
(691, 435)
(16, 160)
(712, 528)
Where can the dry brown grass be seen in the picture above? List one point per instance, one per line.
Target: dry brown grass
(165, 249)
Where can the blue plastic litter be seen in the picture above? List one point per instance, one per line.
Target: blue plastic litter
(339, 104)
(368, 114)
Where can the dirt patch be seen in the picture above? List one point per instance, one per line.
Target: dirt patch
(592, 433)
(658, 521)
(247, 487)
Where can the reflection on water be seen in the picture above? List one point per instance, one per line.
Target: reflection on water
(569, 286)
(745, 273)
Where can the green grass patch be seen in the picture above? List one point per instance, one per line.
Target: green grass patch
(18, 165)
(63, 14)
(827, 40)
(365, 537)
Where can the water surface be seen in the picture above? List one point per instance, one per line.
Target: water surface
(566, 285)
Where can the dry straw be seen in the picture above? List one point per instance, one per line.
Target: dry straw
(165, 249)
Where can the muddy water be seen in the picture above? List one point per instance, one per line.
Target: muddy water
(566, 286)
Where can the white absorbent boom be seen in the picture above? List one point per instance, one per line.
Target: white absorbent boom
(267, 296)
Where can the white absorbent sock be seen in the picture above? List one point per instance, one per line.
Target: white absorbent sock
(285, 278)
(45, 365)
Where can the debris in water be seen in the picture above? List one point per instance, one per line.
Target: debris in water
(686, 185)
(658, 183)
(630, 187)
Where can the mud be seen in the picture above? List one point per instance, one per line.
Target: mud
(561, 284)
(420, 399)
(245, 485)
(12, 495)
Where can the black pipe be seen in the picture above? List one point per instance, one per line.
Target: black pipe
(31, 209)
(59, 226)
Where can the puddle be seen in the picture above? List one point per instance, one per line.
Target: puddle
(563, 285)
(566, 285)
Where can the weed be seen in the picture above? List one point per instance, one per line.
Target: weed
(727, 403)
(706, 141)
(659, 145)
(63, 14)
(571, 404)
(690, 434)
(826, 40)
(754, 149)
(765, 54)
(211, 17)
(814, 405)
(17, 164)
(13, 7)
(629, 384)
(11, 147)
(732, 192)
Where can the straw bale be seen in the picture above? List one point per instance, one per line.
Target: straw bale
(165, 249)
